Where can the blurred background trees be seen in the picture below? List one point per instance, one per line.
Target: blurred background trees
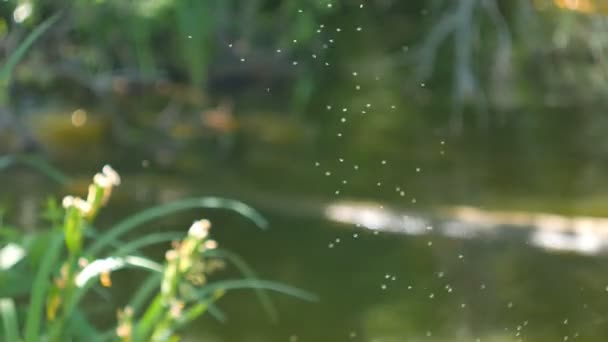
(515, 86)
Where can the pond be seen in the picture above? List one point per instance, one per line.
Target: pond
(374, 282)
(430, 170)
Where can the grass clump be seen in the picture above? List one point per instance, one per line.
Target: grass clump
(177, 291)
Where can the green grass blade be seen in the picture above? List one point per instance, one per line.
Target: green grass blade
(149, 319)
(145, 291)
(108, 335)
(152, 239)
(241, 284)
(194, 312)
(216, 313)
(37, 164)
(92, 233)
(80, 328)
(152, 285)
(40, 288)
(17, 55)
(45, 168)
(148, 215)
(250, 274)
(9, 319)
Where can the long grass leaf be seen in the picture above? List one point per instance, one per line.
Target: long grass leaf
(148, 215)
(241, 284)
(45, 168)
(250, 274)
(145, 291)
(194, 312)
(37, 164)
(217, 313)
(40, 288)
(108, 335)
(9, 319)
(80, 328)
(149, 319)
(17, 55)
(152, 239)
(151, 285)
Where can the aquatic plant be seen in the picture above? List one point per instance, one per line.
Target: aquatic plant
(177, 292)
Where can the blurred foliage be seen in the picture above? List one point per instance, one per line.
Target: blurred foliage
(258, 80)
(176, 293)
(480, 51)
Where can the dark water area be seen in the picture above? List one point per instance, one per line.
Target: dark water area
(395, 288)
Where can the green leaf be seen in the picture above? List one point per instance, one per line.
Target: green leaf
(37, 164)
(145, 291)
(151, 214)
(9, 319)
(15, 283)
(147, 240)
(40, 288)
(240, 284)
(52, 212)
(188, 316)
(250, 274)
(44, 167)
(37, 245)
(73, 227)
(80, 328)
(216, 313)
(17, 55)
(150, 318)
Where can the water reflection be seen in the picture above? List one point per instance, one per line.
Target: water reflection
(375, 216)
(580, 234)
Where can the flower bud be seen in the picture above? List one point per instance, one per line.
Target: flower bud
(111, 175)
(199, 229)
(68, 201)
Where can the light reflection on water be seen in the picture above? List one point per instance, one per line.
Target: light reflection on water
(580, 234)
